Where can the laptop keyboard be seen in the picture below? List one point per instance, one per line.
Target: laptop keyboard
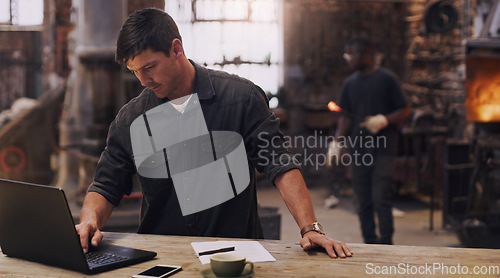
(103, 258)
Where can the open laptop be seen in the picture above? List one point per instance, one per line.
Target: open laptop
(36, 225)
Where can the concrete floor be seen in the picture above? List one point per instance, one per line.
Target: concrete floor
(341, 222)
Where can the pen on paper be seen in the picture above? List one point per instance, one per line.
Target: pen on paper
(221, 250)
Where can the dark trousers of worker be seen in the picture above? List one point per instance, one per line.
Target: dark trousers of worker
(372, 189)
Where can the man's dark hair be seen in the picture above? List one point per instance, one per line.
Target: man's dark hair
(148, 28)
(363, 42)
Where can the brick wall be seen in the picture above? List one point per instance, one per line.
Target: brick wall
(430, 65)
(57, 27)
(435, 78)
(54, 42)
(314, 38)
(19, 65)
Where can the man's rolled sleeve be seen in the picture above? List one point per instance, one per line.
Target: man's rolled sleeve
(113, 176)
(266, 144)
(287, 163)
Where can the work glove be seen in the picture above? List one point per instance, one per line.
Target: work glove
(375, 123)
(334, 149)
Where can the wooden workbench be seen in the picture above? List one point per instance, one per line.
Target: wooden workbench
(291, 260)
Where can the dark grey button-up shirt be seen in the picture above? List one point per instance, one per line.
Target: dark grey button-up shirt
(229, 103)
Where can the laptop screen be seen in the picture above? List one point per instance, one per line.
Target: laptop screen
(36, 224)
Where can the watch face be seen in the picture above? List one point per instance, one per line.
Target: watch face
(312, 227)
(319, 228)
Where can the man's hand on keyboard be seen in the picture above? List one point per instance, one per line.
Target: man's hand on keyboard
(89, 234)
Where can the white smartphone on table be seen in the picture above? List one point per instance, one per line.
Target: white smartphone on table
(158, 271)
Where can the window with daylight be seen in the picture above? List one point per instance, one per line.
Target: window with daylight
(243, 37)
(21, 12)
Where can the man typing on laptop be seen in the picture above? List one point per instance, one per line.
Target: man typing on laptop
(36, 224)
(195, 137)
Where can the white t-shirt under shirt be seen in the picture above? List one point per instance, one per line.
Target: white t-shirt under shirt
(182, 106)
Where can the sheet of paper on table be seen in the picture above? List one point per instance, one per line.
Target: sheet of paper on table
(253, 250)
